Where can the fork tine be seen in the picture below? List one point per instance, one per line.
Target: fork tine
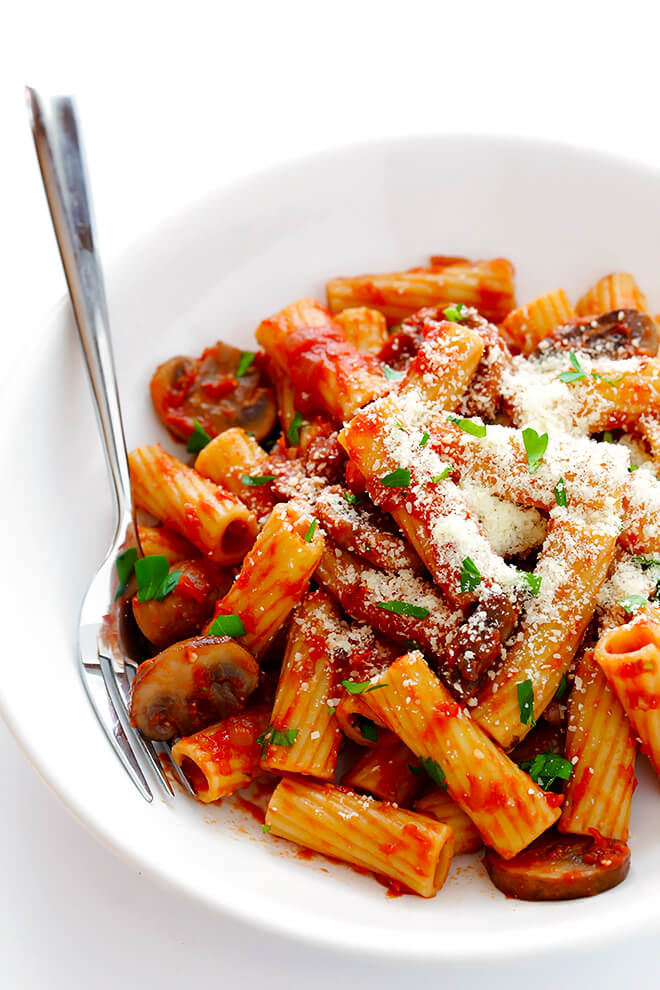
(180, 775)
(143, 753)
(106, 713)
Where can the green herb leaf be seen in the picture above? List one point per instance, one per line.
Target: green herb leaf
(562, 689)
(632, 603)
(255, 480)
(351, 498)
(535, 448)
(434, 770)
(533, 581)
(441, 477)
(608, 437)
(470, 575)
(247, 357)
(425, 439)
(198, 439)
(368, 729)
(153, 577)
(633, 467)
(396, 479)
(265, 828)
(604, 378)
(410, 644)
(276, 737)
(560, 493)
(332, 709)
(646, 562)
(293, 433)
(526, 703)
(405, 608)
(572, 376)
(474, 429)
(363, 687)
(227, 625)
(309, 535)
(454, 313)
(546, 768)
(124, 564)
(415, 770)
(392, 374)
(399, 426)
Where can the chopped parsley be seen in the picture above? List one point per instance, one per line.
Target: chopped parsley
(405, 608)
(392, 374)
(454, 313)
(400, 478)
(265, 828)
(293, 433)
(643, 562)
(276, 737)
(562, 689)
(441, 477)
(309, 535)
(576, 375)
(227, 625)
(351, 498)
(533, 581)
(474, 429)
(425, 439)
(247, 357)
(616, 381)
(255, 480)
(470, 575)
(415, 770)
(546, 768)
(560, 493)
(434, 770)
(607, 437)
(632, 602)
(124, 564)
(633, 467)
(526, 703)
(535, 447)
(362, 687)
(198, 439)
(153, 577)
(368, 729)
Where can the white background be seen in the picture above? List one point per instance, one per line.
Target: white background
(175, 99)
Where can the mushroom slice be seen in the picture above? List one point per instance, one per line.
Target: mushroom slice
(209, 389)
(560, 868)
(184, 611)
(622, 333)
(190, 685)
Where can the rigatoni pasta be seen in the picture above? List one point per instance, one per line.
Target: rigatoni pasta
(426, 502)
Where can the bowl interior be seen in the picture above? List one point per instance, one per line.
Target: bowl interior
(564, 218)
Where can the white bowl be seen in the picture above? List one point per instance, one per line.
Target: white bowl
(564, 217)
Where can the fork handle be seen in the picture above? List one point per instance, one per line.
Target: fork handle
(61, 160)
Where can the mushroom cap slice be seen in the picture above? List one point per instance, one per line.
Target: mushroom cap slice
(622, 333)
(560, 867)
(190, 685)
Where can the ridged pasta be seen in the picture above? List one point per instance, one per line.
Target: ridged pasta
(274, 575)
(486, 285)
(224, 757)
(439, 805)
(411, 850)
(616, 291)
(214, 520)
(228, 458)
(526, 327)
(629, 656)
(309, 680)
(365, 328)
(389, 771)
(504, 803)
(306, 343)
(601, 748)
(442, 368)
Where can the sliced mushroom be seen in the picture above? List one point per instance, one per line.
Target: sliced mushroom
(477, 645)
(622, 333)
(190, 685)
(560, 868)
(185, 610)
(206, 389)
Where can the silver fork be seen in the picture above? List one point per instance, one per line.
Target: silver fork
(106, 672)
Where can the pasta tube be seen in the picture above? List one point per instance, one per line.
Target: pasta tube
(504, 803)
(525, 328)
(365, 328)
(616, 291)
(439, 805)
(411, 850)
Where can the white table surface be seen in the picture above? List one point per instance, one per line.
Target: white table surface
(176, 99)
